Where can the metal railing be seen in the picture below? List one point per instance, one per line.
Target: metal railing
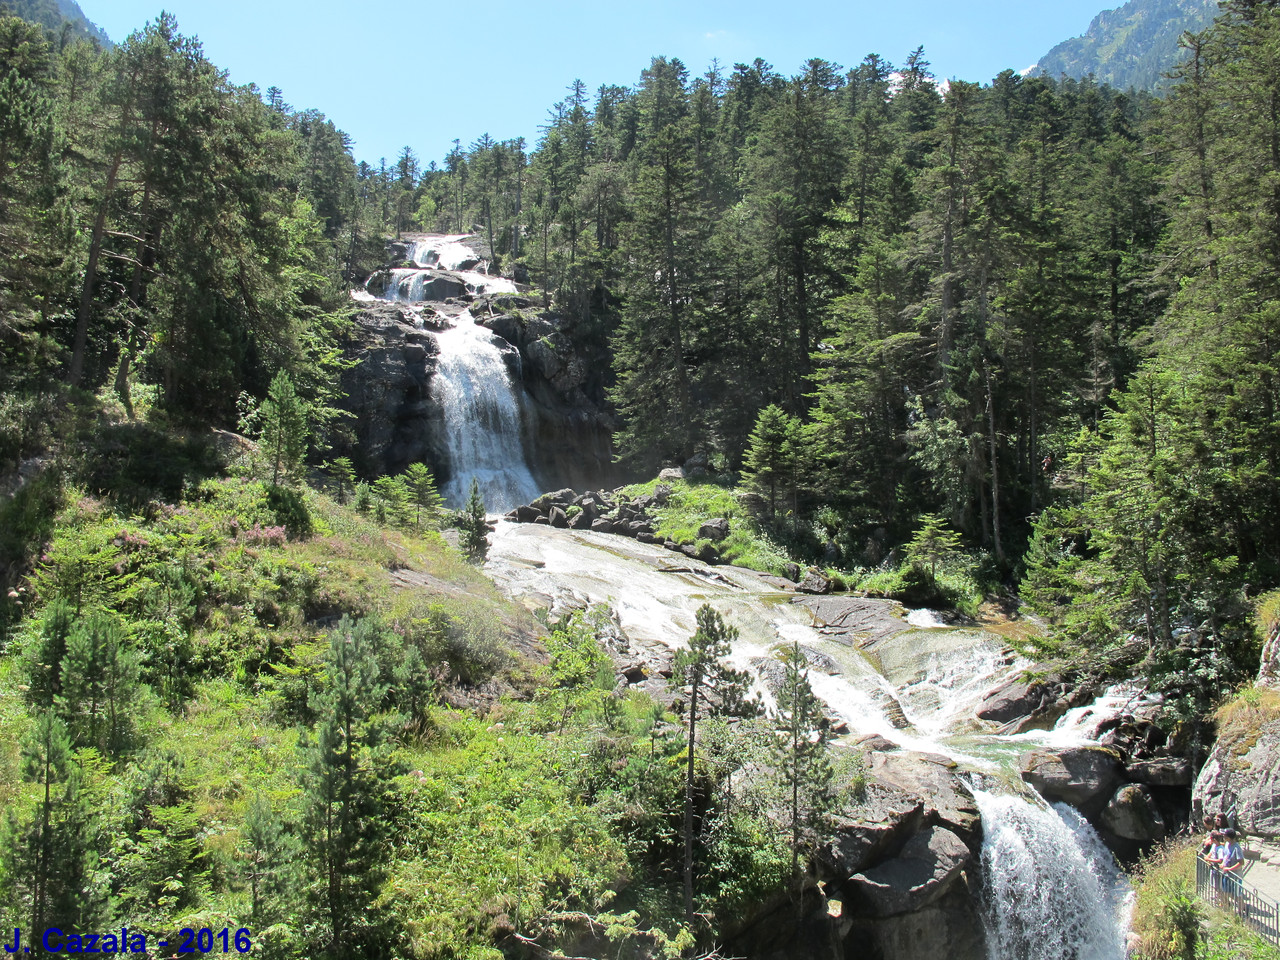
(1234, 895)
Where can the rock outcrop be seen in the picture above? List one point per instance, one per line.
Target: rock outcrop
(569, 429)
(1242, 778)
(1084, 777)
(906, 867)
(389, 392)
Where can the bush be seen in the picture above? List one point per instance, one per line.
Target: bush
(290, 510)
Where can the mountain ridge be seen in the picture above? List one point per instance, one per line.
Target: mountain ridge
(53, 14)
(1134, 45)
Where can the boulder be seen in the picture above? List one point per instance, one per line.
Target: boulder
(1133, 815)
(926, 868)
(715, 530)
(558, 518)
(1242, 775)
(580, 521)
(661, 494)
(949, 801)
(815, 582)
(792, 572)
(527, 514)
(602, 525)
(644, 537)
(708, 554)
(560, 498)
(1084, 777)
(874, 743)
(1014, 698)
(671, 473)
(1165, 772)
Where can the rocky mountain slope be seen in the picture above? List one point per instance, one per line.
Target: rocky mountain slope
(1132, 46)
(53, 14)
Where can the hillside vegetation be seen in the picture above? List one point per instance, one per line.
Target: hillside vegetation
(1132, 47)
(1019, 337)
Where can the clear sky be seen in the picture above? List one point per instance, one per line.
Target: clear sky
(423, 74)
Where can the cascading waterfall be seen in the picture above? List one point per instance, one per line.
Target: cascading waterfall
(472, 383)
(1052, 890)
(482, 419)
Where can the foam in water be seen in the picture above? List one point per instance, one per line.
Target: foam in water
(483, 431)
(1052, 890)
(441, 252)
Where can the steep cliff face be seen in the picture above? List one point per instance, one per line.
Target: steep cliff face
(388, 392)
(569, 425)
(1242, 775)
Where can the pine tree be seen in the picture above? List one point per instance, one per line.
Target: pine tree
(49, 850)
(933, 544)
(474, 525)
(425, 496)
(344, 472)
(284, 427)
(712, 688)
(99, 684)
(770, 460)
(800, 755)
(266, 854)
(343, 828)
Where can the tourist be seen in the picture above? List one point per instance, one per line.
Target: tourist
(1231, 863)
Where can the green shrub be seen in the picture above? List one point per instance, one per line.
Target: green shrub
(290, 511)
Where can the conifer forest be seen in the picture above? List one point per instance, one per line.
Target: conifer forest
(1006, 349)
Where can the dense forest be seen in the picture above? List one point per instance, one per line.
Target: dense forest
(1032, 323)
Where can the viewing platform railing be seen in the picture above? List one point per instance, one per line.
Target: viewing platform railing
(1235, 895)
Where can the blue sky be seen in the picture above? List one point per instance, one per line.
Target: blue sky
(422, 74)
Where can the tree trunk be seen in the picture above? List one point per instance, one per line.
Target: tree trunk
(688, 798)
(995, 468)
(76, 370)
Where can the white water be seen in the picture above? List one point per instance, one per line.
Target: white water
(483, 430)
(1055, 891)
(472, 384)
(442, 252)
(1052, 890)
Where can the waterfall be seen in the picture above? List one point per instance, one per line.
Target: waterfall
(1052, 890)
(482, 419)
(472, 385)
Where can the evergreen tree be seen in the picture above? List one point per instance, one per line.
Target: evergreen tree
(714, 688)
(800, 755)
(344, 472)
(344, 785)
(267, 856)
(474, 525)
(47, 853)
(933, 544)
(425, 497)
(770, 461)
(99, 684)
(285, 429)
